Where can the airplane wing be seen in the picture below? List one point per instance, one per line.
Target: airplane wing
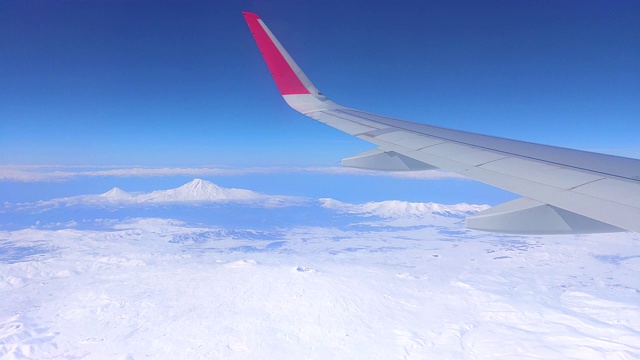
(564, 191)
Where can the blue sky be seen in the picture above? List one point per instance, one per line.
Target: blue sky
(182, 83)
(178, 83)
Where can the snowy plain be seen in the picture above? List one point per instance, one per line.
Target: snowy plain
(206, 272)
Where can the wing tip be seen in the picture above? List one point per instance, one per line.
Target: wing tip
(250, 15)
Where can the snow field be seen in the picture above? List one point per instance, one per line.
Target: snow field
(326, 293)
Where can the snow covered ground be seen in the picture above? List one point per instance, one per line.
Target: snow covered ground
(203, 272)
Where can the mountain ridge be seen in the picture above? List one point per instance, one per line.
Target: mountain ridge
(199, 191)
(397, 208)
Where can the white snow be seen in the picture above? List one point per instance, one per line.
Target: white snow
(195, 191)
(116, 194)
(141, 289)
(199, 190)
(398, 209)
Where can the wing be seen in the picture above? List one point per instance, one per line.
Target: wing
(564, 190)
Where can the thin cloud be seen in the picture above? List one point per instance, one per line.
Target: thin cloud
(43, 173)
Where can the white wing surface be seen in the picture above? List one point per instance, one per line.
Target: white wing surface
(564, 190)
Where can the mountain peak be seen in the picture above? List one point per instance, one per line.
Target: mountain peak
(200, 187)
(201, 190)
(198, 182)
(116, 193)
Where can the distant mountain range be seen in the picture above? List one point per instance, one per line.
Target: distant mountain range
(200, 191)
(402, 209)
(193, 192)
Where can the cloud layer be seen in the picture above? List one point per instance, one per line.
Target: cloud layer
(35, 173)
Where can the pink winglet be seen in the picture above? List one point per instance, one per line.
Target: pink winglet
(286, 79)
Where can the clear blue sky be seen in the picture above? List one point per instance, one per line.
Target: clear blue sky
(183, 84)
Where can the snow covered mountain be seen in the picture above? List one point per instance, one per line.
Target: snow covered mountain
(116, 194)
(195, 191)
(402, 209)
(200, 190)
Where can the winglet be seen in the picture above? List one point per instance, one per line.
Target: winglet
(287, 74)
(284, 70)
